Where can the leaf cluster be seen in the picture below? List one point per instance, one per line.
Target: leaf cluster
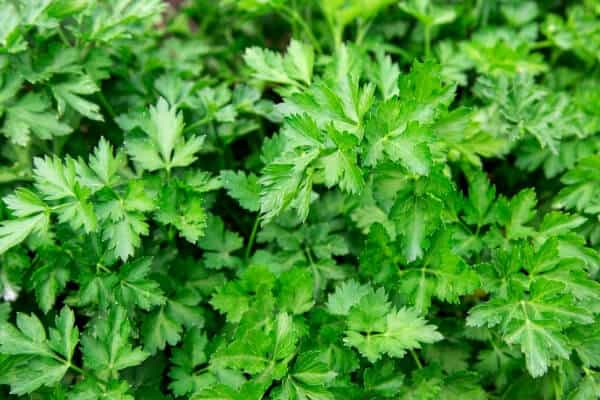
(299, 200)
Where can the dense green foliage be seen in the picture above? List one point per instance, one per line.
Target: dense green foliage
(299, 199)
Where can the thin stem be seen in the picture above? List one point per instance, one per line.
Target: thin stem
(542, 44)
(198, 123)
(78, 370)
(252, 237)
(58, 144)
(557, 390)
(337, 37)
(427, 40)
(103, 268)
(309, 255)
(396, 50)
(9, 176)
(416, 358)
(201, 370)
(86, 50)
(363, 29)
(294, 17)
(86, 374)
(63, 36)
(336, 34)
(106, 105)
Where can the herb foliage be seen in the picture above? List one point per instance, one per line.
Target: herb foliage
(299, 200)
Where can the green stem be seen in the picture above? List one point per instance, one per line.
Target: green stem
(252, 237)
(396, 50)
(103, 268)
(309, 255)
(78, 370)
(295, 18)
(416, 358)
(557, 390)
(106, 105)
(427, 40)
(542, 44)
(58, 144)
(63, 36)
(363, 29)
(10, 176)
(336, 34)
(337, 37)
(198, 123)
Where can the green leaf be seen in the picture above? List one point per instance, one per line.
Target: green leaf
(235, 297)
(135, 288)
(30, 115)
(585, 340)
(390, 134)
(386, 74)
(420, 208)
(296, 290)
(69, 93)
(9, 23)
(106, 344)
(310, 153)
(340, 166)
(117, 20)
(217, 392)
(428, 13)
(34, 374)
(339, 101)
(185, 359)
(522, 210)
(13, 232)
(29, 338)
(581, 190)
(158, 329)
(423, 177)
(587, 388)
(165, 147)
(244, 188)
(123, 219)
(49, 280)
(123, 235)
(480, 199)
(65, 337)
(286, 337)
(295, 68)
(57, 181)
(347, 295)
(180, 205)
(383, 380)
(345, 12)
(24, 203)
(536, 322)
(231, 300)
(442, 275)
(308, 379)
(36, 360)
(105, 166)
(528, 109)
(218, 244)
(376, 328)
(539, 343)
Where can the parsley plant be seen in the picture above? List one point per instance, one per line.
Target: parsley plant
(299, 200)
